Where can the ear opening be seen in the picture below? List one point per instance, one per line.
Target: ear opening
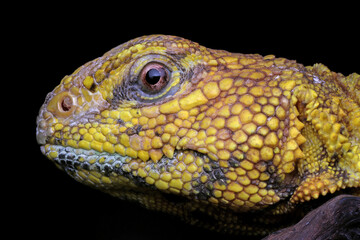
(332, 154)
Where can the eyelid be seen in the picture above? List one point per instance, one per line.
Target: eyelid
(141, 62)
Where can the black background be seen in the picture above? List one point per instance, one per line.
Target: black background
(47, 42)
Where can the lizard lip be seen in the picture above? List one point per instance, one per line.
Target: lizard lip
(69, 158)
(41, 136)
(43, 129)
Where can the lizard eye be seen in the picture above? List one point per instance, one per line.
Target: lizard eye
(154, 77)
(150, 78)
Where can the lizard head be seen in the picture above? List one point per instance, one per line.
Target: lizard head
(162, 116)
(124, 122)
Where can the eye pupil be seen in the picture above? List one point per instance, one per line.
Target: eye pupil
(153, 76)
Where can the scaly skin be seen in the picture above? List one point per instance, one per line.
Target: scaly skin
(233, 142)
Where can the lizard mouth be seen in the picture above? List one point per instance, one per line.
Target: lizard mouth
(107, 171)
(122, 175)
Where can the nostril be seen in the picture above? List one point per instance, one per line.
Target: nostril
(61, 105)
(66, 104)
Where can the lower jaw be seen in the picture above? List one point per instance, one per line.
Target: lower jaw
(105, 171)
(122, 175)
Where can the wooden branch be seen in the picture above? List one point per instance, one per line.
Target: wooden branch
(339, 218)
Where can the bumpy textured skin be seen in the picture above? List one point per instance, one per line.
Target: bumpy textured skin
(233, 142)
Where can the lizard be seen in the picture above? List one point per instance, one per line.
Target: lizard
(237, 143)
